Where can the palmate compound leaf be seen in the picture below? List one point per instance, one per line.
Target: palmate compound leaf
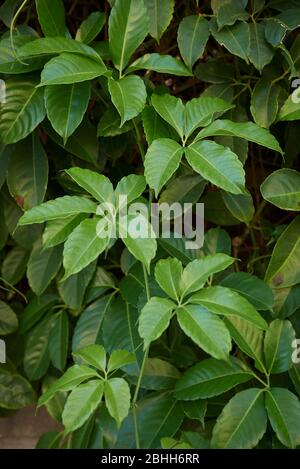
(162, 160)
(155, 318)
(68, 68)
(210, 378)
(129, 95)
(217, 164)
(243, 421)
(224, 301)
(81, 403)
(205, 329)
(282, 188)
(59, 208)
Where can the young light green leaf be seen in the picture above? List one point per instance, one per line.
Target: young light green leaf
(161, 64)
(217, 164)
(210, 378)
(283, 270)
(68, 68)
(162, 160)
(91, 27)
(128, 95)
(205, 329)
(117, 399)
(155, 318)
(282, 188)
(223, 301)
(81, 403)
(278, 346)
(128, 27)
(51, 17)
(96, 184)
(66, 106)
(284, 414)
(93, 355)
(61, 207)
(193, 34)
(160, 14)
(120, 358)
(172, 110)
(8, 319)
(168, 274)
(84, 245)
(196, 273)
(243, 421)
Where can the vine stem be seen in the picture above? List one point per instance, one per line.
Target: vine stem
(141, 373)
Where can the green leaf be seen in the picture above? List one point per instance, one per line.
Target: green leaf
(155, 318)
(59, 340)
(120, 358)
(243, 421)
(8, 319)
(97, 185)
(199, 112)
(246, 130)
(93, 355)
(14, 265)
(290, 110)
(248, 338)
(193, 34)
(205, 329)
(161, 64)
(196, 273)
(168, 274)
(117, 399)
(66, 106)
(235, 38)
(36, 309)
(160, 15)
(158, 374)
(229, 11)
(23, 109)
(183, 189)
(252, 288)
(36, 355)
(240, 206)
(27, 172)
(51, 17)
(282, 188)
(278, 346)
(283, 268)
(72, 378)
(162, 160)
(260, 52)
(15, 391)
(195, 410)
(264, 101)
(128, 27)
(210, 378)
(217, 164)
(57, 231)
(223, 301)
(284, 414)
(42, 267)
(132, 187)
(171, 109)
(54, 46)
(73, 290)
(81, 403)
(68, 68)
(155, 127)
(90, 27)
(128, 95)
(59, 208)
(84, 245)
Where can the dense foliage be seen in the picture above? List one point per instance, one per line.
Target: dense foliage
(144, 342)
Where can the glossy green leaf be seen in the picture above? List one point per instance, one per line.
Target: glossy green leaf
(199, 112)
(97, 185)
(278, 346)
(171, 109)
(217, 164)
(128, 27)
(90, 27)
(120, 358)
(57, 231)
(210, 378)
(51, 17)
(193, 34)
(160, 63)
(8, 319)
(132, 187)
(93, 355)
(54, 46)
(128, 95)
(206, 330)
(223, 301)
(117, 398)
(42, 267)
(155, 127)
(243, 421)
(155, 318)
(160, 15)
(168, 274)
(81, 403)
(290, 110)
(282, 188)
